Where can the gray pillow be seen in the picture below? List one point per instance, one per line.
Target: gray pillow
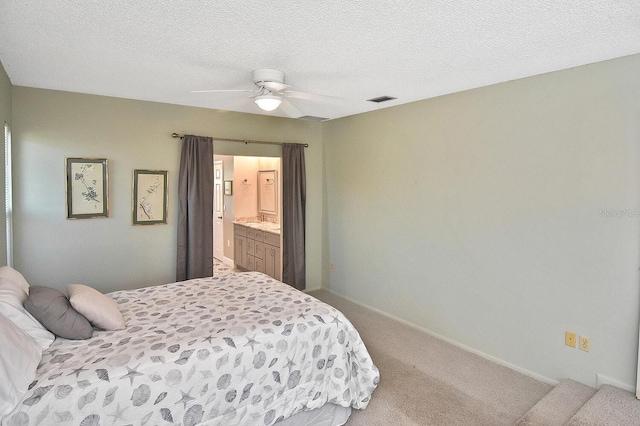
(52, 308)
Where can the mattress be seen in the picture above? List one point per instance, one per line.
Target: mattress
(242, 349)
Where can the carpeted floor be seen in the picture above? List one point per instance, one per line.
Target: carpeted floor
(425, 381)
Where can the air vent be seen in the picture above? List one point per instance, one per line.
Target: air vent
(381, 99)
(313, 118)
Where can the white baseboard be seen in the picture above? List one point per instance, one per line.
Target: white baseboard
(605, 380)
(226, 261)
(451, 341)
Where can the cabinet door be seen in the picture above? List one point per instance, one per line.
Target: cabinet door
(259, 265)
(240, 255)
(251, 262)
(251, 247)
(259, 251)
(272, 261)
(276, 260)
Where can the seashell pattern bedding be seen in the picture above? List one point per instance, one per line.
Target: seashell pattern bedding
(242, 349)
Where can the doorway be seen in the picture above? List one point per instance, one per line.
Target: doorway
(218, 210)
(239, 202)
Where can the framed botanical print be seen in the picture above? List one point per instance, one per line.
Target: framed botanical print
(87, 188)
(150, 197)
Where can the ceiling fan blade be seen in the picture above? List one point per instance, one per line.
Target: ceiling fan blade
(223, 90)
(274, 86)
(290, 109)
(311, 96)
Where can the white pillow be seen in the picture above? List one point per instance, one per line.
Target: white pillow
(19, 359)
(11, 289)
(11, 307)
(16, 277)
(101, 310)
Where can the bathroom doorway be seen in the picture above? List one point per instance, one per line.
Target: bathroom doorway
(239, 199)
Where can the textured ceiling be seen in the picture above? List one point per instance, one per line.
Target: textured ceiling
(160, 50)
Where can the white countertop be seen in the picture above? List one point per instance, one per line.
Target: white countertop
(271, 227)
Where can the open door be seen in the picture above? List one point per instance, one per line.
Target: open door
(218, 211)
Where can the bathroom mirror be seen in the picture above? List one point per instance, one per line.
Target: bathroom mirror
(267, 192)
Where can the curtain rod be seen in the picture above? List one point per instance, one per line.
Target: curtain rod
(245, 141)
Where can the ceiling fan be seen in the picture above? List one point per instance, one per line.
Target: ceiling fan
(272, 92)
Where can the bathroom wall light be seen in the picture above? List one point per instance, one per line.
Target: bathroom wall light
(268, 102)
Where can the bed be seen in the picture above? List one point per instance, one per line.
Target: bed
(242, 349)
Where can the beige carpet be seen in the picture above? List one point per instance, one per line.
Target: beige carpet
(559, 405)
(425, 381)
(609, 406)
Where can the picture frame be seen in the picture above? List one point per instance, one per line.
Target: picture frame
(87, 188)
(228, 187)
(150, 197)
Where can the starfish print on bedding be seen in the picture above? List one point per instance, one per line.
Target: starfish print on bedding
(244, 374)
(252, 342)
(290, 364)
(185, 398)
(117, 415)
(132, 373)
(77, 371)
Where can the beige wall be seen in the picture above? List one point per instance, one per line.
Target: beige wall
(111, 254)
(246, 194)
(480, 216)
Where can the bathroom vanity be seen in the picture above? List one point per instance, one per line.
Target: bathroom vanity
(257, 247)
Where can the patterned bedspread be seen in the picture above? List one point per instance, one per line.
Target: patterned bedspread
(242, 349)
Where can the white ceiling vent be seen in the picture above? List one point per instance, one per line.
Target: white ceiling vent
(381, 99)
(313, 118)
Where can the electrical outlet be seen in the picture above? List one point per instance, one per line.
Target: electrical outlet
(570, 338)
(332, 266)
(585, 344)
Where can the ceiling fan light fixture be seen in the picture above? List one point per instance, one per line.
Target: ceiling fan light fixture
(268, 102)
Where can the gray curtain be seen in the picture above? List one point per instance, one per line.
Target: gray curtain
(294, 195)
(195, 209)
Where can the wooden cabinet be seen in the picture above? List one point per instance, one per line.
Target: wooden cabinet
(271, 258)
(272, 261)
(257, 250)
(240, 246)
